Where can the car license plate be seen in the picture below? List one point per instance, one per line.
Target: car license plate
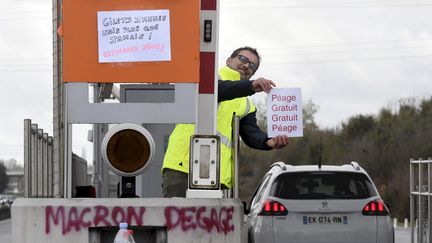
(331, 219)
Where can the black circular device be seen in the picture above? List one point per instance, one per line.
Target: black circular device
(128, 149)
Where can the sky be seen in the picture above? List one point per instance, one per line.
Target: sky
(349, 57)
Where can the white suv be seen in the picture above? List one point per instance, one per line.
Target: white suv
(318, 204)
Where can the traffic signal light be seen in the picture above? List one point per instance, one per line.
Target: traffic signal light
(128, 149)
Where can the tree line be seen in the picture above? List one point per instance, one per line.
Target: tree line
(382, 144)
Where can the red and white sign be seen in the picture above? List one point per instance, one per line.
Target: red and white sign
(284, 112)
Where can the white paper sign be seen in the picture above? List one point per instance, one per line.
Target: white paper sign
(284, 112)
(134, 36)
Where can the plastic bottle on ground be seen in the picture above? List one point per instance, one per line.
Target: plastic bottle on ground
(124, 235)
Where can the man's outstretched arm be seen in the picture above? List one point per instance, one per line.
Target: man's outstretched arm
(228, 90)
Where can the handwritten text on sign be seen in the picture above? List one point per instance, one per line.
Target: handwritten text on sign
(284, 112)
(134, 36)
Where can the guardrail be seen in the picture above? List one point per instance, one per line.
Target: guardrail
(421, 199)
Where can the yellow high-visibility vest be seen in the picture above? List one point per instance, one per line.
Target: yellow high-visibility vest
(177, 154)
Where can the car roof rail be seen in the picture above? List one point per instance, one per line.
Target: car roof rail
(281, 164)
(355, 165)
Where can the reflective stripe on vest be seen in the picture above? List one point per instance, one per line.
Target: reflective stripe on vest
(224, 140)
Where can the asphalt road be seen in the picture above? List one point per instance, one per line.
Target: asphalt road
(401, 235)
(6, 231)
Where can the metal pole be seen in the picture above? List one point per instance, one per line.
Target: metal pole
(67, 129)
(45, 164)
(206, 106)
(50, 167)
(412, 199)
(101, 172)
(68, 162)
(27, 157)
(58, 104)
(420, 200)
(236, 147)
(39, 163)
(98, 181)
(33, 157)
(429, 198)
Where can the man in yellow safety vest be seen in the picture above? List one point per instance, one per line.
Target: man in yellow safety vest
(232, 98)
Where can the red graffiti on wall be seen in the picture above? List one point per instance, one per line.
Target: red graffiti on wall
(77, 218)
(187, 218)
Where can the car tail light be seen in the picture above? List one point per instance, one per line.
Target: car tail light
(375, 208)
(273, 208)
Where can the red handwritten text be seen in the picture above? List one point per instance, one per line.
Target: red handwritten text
(191, 218)
(77, 218)
(219, 220)
(119, 51)
(154, 46)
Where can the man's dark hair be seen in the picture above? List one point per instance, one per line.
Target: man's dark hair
(246, 48)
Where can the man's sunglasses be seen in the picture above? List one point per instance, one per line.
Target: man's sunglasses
(245, 60)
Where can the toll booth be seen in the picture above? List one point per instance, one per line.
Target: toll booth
(153, 44)
(148, 183)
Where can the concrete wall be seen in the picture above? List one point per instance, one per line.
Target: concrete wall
(173, 219)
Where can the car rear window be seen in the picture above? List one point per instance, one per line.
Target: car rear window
(322, 185)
